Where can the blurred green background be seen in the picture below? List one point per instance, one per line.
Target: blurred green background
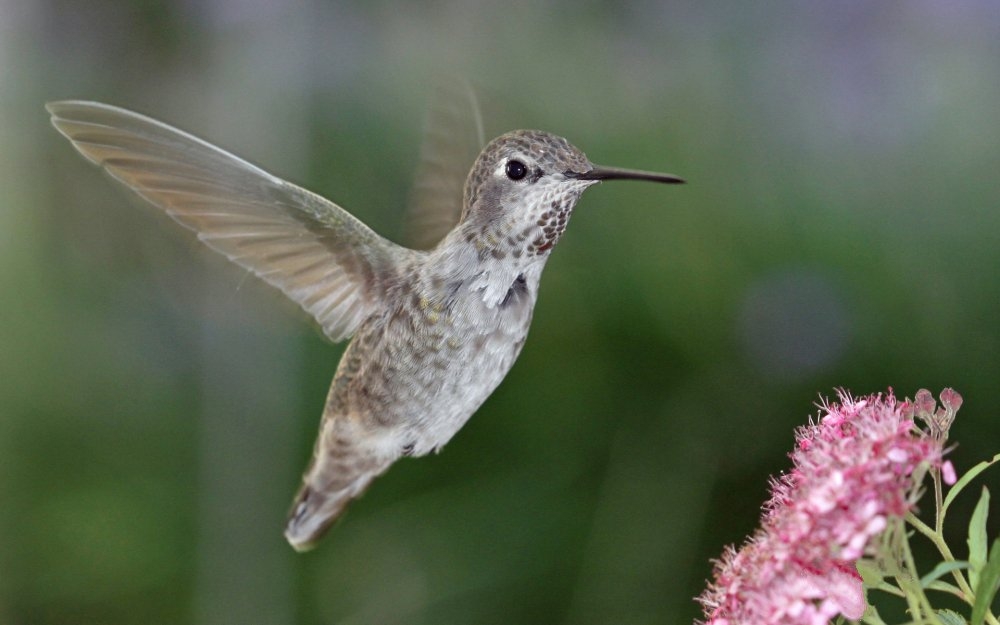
(840, 228)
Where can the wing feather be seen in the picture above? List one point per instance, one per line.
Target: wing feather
(453, 138)
(323, 258)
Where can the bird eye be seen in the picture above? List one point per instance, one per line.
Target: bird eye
(516, 170)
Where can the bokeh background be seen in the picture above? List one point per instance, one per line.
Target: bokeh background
(840, 228)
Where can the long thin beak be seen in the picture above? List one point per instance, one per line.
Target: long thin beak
(615, 173)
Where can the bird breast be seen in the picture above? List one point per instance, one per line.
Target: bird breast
(427, 364)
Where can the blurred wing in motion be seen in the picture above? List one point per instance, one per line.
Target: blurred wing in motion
(323, 258)
(453, 138)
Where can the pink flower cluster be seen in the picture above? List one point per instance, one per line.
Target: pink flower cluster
(851, 471)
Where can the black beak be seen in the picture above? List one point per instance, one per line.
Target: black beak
(614, 173)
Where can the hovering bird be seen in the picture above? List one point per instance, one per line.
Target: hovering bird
(434, 331)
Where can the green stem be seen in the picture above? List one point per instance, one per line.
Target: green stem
(920, 526)
(916, 598)
(936, 537)
(944, 550)
(938, 501)
(889, 589)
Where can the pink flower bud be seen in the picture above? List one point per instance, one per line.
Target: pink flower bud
(948, 473)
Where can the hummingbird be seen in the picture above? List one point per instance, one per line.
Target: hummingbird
(433, 332)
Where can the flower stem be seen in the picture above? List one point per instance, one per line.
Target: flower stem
(938, 539)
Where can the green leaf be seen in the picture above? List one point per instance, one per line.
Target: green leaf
(977, 538)
(941, 569)
(951, 589)
(986, 589)
(950, 617)
(871, 573)
(965, 479)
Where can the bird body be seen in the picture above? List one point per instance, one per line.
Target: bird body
(434, 331)
(408, 381)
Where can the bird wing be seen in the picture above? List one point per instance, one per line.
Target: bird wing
(453, 138)
(323, 258)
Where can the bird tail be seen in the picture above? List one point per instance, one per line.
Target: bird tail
(314, 511)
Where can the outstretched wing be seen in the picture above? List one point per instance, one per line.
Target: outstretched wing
(453, 138)
(326, 260)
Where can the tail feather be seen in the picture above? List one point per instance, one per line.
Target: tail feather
(344, 463)
(314, 512)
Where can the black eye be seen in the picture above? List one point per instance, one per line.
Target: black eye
(516, 170)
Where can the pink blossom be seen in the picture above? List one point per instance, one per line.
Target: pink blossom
(851, 472)
(948, 473)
